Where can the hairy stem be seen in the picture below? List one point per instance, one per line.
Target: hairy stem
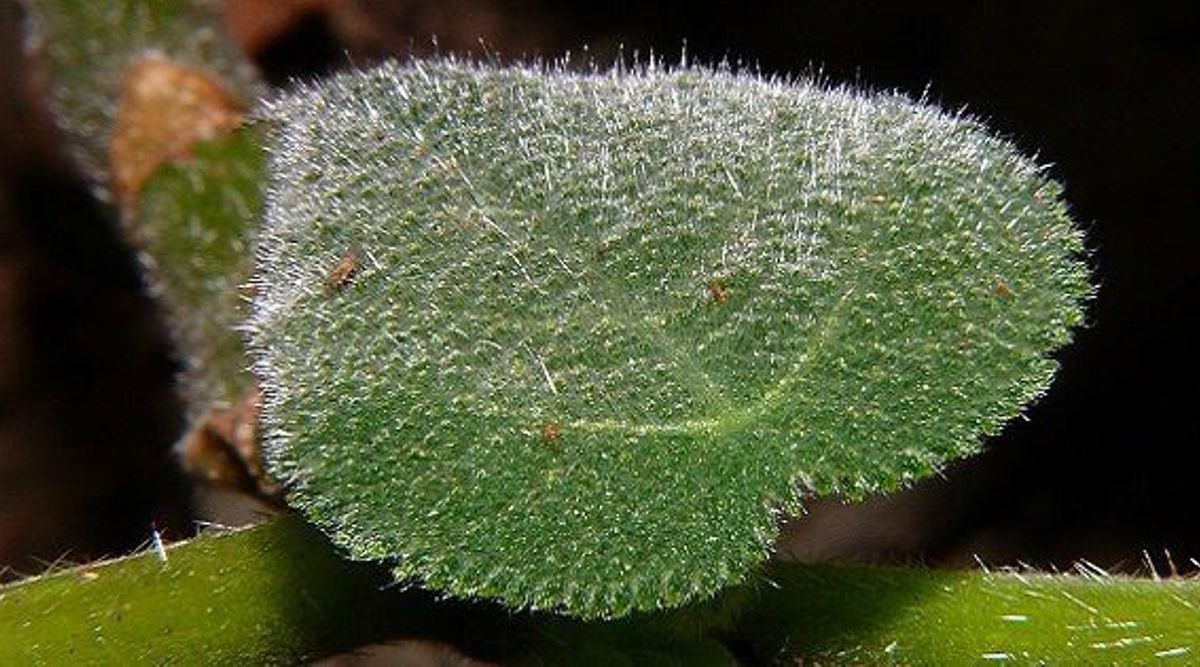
(279, 593)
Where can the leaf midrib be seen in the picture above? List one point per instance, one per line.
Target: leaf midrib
(731, 419)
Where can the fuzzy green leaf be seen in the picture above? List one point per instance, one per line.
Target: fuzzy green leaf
(570, 340)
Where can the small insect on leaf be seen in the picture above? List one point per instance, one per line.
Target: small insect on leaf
(1003, 290)
(550, 432)
(344, 271)
(716, 289)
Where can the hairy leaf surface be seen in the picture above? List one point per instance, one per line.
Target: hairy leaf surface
(571, 340)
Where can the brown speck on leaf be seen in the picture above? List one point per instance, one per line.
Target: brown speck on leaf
(341, 274)
(716, 289)
(1003, 290)
(164, 109)
(550, 432)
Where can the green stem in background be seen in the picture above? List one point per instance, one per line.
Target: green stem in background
(196, 221)
(151, 97)
(87, 49)
(278, 593)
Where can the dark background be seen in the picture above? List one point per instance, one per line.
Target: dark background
(1104, 468)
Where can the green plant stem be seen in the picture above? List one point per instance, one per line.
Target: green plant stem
(86, 48)
(197, 219)
(866, 615)
(269, 595)
(279, 593)
(194, 217)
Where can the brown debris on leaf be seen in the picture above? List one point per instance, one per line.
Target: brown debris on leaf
(718, 291)
(344, 271)
(164, 108)
(223, 450)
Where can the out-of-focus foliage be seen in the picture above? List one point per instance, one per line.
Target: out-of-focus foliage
(152, 96)
(88, 49)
